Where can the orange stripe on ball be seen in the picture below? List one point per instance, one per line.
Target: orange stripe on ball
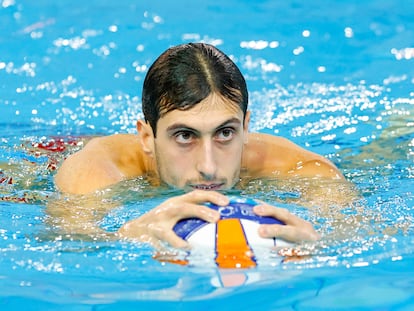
(232, 248)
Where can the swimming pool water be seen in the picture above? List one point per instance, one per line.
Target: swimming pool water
(334, 77)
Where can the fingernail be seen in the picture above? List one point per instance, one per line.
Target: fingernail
(214, 216)
(262, 231)
(259, 209)
(223, 201)
(185, 246)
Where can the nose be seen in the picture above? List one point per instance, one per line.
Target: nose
(206, 162)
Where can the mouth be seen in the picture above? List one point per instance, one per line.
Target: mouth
(211, 187)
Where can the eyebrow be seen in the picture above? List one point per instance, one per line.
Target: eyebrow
(177, 126)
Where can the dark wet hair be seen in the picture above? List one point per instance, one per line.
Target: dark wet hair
(186, 74)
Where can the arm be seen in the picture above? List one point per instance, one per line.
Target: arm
(267, 155)
(291, 167)
(102, 162)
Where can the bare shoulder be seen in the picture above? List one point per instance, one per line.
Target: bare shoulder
(266, 154)
(103, 161)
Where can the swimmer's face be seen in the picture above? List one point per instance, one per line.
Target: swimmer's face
(200, 148)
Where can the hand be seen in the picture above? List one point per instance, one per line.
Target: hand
(156, 226)
(295, 229)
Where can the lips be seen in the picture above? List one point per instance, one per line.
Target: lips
(207, 187)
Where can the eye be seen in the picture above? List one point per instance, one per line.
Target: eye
(184, 137)
(225, 134)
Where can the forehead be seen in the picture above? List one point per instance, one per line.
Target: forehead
(211, 112)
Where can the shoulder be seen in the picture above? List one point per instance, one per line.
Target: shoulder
(261, 140)
(111, 141)
(103, 161)
(119, 149)
(264, 150)
(266, 154)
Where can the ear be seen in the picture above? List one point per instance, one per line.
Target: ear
(246, 126)
(146, 137)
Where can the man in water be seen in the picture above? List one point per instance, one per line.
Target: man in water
(194, 137)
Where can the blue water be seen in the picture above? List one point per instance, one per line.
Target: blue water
(336, 77)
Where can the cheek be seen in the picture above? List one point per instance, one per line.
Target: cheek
(230, 159)
(172, 162)
(175, 155)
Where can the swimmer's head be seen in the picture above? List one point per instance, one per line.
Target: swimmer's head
(185, 75)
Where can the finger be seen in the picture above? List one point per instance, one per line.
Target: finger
(295, 229)
(151, 234)
(289, 233)
(189, 205)
(283, 232)
(203, 212)
(279, 213)
(132, 230)
(170, 237)
(202, 196)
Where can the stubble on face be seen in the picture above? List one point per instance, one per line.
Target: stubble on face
(176, 164)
